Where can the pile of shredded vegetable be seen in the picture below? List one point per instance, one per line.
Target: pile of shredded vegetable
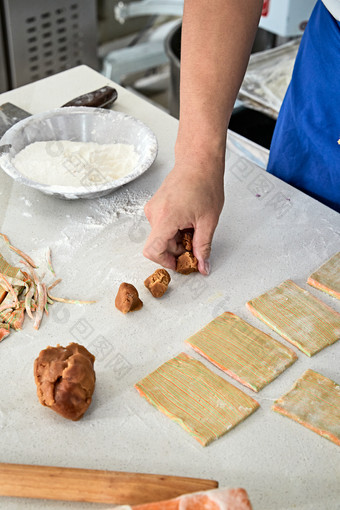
(21, 290)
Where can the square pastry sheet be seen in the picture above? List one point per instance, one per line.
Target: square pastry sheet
(327, 277)
(203, 403)
(242, 351)
(298, 316)
(313, 401)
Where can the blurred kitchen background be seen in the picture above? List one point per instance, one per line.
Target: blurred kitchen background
(137, 44)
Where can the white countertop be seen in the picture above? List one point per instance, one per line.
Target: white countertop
(268, 232)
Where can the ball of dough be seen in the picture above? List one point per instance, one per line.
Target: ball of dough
(127, 299)
(65, 379)
(187, 263)
(158, 282)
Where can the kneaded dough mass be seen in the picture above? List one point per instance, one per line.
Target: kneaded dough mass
(158, 282)
(65, 379)
(127, 299)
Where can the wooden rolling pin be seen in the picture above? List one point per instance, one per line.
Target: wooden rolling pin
(95, 486)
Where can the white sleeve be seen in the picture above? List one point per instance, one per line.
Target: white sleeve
(334, 7)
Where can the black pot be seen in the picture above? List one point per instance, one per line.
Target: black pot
(254, 125)
(173, 50)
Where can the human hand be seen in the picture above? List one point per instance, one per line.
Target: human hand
(191, 197)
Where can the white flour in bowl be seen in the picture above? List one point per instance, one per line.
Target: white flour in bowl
(66, 163)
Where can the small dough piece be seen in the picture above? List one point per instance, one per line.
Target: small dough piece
(187, 241)
(158, 282)
(298, 316)
(327, 277)
(65, 379)
(187, 263)
(127, 299)
(313, 401)
(203, 403)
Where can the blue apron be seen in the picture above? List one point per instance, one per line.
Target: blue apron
(305, 149)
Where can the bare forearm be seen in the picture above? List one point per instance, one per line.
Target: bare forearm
(217, 37)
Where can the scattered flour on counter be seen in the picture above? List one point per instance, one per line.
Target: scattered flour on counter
(81, 232)
(2, 419)
(106, 210)
(27, 202)
(66, 163)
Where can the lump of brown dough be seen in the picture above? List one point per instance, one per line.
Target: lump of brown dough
(187, 263)
(158, 282)
(65, 379)
(187, 241)
(127, 299)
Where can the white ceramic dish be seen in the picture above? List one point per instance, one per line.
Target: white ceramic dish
(81, 124)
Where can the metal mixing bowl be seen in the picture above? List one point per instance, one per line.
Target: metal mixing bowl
(81, 124)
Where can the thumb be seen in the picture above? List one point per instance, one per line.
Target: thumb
(204, 231)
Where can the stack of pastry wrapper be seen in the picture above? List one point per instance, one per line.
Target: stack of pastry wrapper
(207, 406)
